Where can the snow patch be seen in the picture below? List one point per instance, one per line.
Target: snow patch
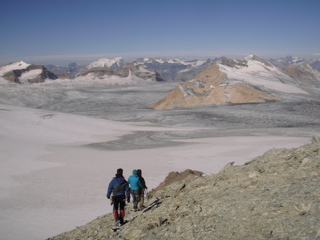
(30, 75)
(187, 92)
(105, 62)
(143, 68)
(13, 66)
(259, 75)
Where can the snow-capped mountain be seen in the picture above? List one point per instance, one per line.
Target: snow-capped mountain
(134, 69)
(248, 80)
(21, 72)
(258, 72)
(178, 70)
(114, 64)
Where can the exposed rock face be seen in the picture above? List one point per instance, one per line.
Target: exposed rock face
(140, 71)
(32, 74)
(274, 196)
(234, 63)
(304, 74)
(208, 88)
(45, 74)
(176, 177)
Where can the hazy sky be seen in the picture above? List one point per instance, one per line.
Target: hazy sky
(44, 31)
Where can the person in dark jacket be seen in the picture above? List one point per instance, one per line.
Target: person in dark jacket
(143, 188)
(133, 180)
(119, 188)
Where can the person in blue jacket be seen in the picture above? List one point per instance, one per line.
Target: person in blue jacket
(119, 188)
(133, 180)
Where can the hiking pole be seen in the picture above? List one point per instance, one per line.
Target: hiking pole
(147, 194)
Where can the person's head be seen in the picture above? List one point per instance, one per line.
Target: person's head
(119, 172)
(134, 172)
(139, 172)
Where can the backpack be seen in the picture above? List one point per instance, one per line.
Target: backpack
(142, 183)
(118, 187)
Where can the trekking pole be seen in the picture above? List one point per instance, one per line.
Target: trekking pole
(147, 194)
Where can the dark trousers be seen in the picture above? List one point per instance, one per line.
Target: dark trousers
(119, 203)
(135, 198)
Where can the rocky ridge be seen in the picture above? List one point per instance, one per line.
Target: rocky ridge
(274, 196)
(20, 72)
(304, 74)
(209, 87)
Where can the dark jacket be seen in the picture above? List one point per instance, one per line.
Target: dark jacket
(142, 183)
(122, 190)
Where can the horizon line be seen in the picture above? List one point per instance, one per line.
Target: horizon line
(135, 55)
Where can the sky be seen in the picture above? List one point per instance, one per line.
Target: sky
(64, 31)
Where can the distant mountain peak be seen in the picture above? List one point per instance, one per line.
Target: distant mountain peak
(21, 72)
(114, 63)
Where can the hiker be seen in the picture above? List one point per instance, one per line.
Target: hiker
(133, 180)
(120, 190)
(143, 188)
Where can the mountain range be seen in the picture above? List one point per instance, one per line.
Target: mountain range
(249, 80)
(200, 82)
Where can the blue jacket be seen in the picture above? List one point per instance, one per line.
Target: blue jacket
(124, 190)
(133, 180)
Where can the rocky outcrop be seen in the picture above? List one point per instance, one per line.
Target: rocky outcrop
(32, 74)
(45, 74)
(274, 196)
(234, 63)
(176, 177)
(209, 88)
(304, 74)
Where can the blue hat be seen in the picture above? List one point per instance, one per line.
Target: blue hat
(134, 172)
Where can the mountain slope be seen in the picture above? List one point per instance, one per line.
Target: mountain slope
(211, 87)
(304, 74)
(274, 196)
(260, 73)
(21, 72)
